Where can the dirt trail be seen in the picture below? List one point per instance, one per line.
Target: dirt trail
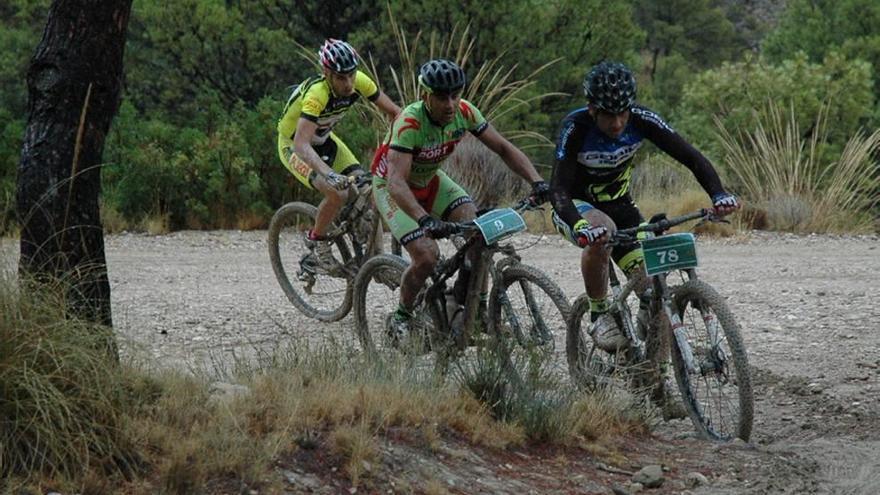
(809, 307)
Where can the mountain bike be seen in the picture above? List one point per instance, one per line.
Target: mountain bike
(322, 290)
(525, 307)
(708, 354)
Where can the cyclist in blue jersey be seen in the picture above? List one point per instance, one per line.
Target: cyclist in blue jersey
(591, 179)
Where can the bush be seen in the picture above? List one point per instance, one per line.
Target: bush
(11, 135)
(737, 95)
(229, 177)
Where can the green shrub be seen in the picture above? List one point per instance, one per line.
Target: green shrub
(737, 95)
(11, 135)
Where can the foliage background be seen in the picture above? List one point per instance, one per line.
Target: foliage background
(194, 143)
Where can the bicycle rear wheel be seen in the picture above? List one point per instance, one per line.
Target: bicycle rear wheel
(529, 311)
(317, 291)
(717, 391)
(376, 293)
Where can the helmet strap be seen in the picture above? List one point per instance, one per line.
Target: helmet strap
(424, 86)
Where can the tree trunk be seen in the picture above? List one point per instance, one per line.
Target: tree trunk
(74, 82)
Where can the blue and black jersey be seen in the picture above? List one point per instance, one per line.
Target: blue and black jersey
(593, 167)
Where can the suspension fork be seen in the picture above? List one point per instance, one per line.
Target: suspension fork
(618, 298)
(708, 318)
(479, 273)
(374, 239)
(679, 336)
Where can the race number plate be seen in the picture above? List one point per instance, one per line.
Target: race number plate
(669, 252)
(499, 224)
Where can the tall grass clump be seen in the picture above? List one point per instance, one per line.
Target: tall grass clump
(62, 399)
(798, 181)
(492, 86)
(527, 391)
(662, 185)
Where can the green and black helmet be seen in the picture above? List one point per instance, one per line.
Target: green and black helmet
(610, 86)
(441, 76)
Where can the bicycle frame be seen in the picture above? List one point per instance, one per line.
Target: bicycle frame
(484, 268)
(659, 293)
(359, 219)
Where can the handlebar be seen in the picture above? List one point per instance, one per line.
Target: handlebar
(662, 224)
(524, 204)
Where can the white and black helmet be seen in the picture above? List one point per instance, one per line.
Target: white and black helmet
(610, 86)
(338, 56)
(441, 76)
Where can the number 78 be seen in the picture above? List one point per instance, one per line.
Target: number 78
(671, 255)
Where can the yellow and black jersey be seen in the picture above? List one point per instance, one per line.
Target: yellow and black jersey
(315, 101)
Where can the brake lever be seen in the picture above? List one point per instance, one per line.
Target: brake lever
(711, 218)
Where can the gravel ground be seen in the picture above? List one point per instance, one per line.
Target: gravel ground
(809, 307)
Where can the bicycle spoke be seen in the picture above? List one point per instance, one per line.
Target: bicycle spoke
(715, 389)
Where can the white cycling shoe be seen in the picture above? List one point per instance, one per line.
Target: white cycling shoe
(607, 335)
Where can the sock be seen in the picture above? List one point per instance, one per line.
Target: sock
(402, 313)
(598, 307)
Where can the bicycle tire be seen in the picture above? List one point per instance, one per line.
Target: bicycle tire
(369, 314)
(286, 242)
(708, 419)
(589, 367)
(517, 311)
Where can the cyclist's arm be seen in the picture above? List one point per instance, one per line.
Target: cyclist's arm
(399, 166)
(515, 159)
(302, 146)
(386, 105)
(565, 173)
(671, 143)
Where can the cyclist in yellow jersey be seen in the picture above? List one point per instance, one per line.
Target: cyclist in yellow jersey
(416, 199)
(306, 143)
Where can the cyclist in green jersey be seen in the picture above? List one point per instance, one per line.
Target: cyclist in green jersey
(416, 199)
(306, 143)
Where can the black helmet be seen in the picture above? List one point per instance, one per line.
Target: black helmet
(441, 76)
(610, 86)
(338, 56)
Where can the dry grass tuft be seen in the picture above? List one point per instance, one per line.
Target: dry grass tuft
(62, 397)
(114, 222)
(356, 443)
(156, 224)
(795, 180)
(602, 416)
(83, 417)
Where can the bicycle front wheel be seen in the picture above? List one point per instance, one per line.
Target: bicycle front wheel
(529, 310)
(715, 386)
(319, 291)
(376, 297)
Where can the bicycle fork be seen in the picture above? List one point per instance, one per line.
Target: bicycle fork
(679, 333)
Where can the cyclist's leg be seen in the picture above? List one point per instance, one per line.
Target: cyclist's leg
(423, 251)
(629, 257)
(452, 203)
(336, 154)
(594, 259)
